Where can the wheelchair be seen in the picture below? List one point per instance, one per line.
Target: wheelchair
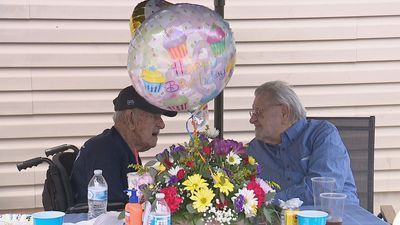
(57, 193)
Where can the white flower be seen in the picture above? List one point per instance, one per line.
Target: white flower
(266, 188)
(250, 201)
(174, 171)
(233, 159)
(212, 132)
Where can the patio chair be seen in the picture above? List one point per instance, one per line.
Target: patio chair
(358, 135)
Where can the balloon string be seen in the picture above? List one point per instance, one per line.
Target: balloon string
(187, 127)
(193, 122)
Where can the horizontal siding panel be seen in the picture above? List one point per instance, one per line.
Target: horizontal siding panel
(317, 74)
(235, 98)
(383, 162)
(15, 103)
(14, 9)
(18, 150)
(12, 177)
(61, 55)
(256, 9)
(77, 31)
(76, 9)
(70, 125)
(73, 102)
(17, 197)
(234, 9)
(64, 31)
(88, 78)
(383, 178)
(107, 55)
(15, 79)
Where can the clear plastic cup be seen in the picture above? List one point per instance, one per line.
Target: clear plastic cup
(322, 185)
(333, 204)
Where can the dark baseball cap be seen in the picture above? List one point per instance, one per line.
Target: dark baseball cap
(128, 98)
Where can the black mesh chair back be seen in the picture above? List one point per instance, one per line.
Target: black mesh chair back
(358, 135)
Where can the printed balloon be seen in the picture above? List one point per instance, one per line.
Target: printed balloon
(181, 57)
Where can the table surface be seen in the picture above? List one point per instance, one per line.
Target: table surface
(353, 215)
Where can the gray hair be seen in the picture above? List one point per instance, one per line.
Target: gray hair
(120, 116)
(282, 93)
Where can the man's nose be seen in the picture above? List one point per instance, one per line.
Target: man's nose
(160, 123)
(252, 119)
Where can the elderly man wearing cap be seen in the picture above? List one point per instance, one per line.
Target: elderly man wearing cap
(137, 124)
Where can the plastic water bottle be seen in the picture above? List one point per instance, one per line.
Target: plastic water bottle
(97, 195)
(160, 213)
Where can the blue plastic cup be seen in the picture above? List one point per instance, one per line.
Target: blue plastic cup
(311, 217)
(48, 218)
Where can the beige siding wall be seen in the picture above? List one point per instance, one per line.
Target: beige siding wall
(62, 62)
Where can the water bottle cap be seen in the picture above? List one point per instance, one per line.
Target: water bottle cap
(98, 172)
(160, 195)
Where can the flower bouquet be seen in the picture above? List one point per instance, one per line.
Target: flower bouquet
(210, 181)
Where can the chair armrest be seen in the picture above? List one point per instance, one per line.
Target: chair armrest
(388, 213)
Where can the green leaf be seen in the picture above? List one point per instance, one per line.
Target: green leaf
(190, 208)
(150, 163)
(268, 214)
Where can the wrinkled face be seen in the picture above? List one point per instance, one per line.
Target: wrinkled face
(147, 128)
(267, 118)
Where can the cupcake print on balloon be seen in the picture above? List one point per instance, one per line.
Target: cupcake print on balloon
(181, 57)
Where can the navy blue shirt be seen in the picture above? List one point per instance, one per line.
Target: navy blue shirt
(309, 148)
(109, 152)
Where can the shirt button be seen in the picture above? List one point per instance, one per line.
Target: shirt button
(288, 178)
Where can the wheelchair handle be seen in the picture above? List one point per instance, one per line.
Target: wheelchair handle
(32, 162)
(60, 148)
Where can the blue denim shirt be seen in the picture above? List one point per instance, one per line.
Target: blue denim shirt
(309, 148)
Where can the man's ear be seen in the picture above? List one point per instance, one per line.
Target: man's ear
(285, 112)
(130, 118)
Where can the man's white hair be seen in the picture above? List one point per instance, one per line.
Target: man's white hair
(282, 93)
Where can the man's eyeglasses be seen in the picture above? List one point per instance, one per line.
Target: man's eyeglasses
(257, 111)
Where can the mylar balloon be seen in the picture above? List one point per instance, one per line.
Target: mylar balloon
(181, 57)
(144, 10)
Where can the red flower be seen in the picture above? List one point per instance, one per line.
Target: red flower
(172, 199)
(245, 159)
(258, 191)
(168, 163)
(221, 205)
(207, 150)
(180, 174)
(190, 164)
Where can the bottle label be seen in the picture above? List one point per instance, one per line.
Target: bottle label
(161, 220)
(97, 195)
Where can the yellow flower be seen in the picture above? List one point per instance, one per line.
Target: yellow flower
(252, 161)
(194, 183)
(202, 199)
(159, 167)
(222, 182)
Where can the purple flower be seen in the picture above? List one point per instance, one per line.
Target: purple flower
(239, 202)
(228, 172)
(223, 147)
(220, 146)
(203, 138)
(173, 179)
(177, 149)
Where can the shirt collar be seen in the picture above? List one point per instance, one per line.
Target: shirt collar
(293, 132)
